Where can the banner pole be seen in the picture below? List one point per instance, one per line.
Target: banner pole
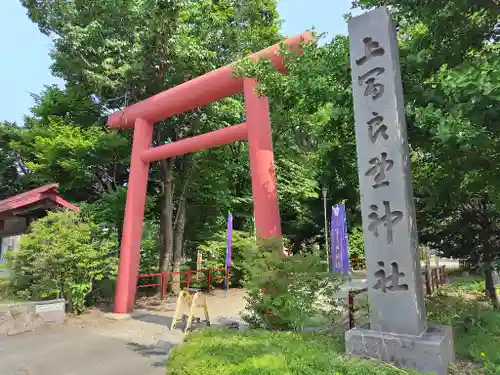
(225, 283)
(327, 252)
(346, 239)
(228, 251)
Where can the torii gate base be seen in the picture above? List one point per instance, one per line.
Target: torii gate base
(189, 95)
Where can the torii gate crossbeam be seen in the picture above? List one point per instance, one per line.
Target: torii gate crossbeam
(196, 93)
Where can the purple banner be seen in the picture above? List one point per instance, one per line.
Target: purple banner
(229, 239)
(338, 234)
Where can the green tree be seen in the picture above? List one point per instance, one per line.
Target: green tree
(71, 104)
(85, 161)
(450, 91)
(450, 60)
(64, 141)
(124, 52)
(312, 133)
(112, 54)
(459, 195)
(11, 166)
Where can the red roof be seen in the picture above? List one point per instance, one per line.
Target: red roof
(46, 192)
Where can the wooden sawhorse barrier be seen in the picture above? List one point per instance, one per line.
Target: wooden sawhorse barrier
(189, 297)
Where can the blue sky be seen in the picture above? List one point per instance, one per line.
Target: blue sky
(24, 69)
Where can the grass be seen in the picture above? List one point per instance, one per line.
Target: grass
(259, 352)
(6, 300)
(462, 305)
(476, 325)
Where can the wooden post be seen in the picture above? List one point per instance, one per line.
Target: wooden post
(209, 280)
(427, 282)
(227, 278)
(350, 308)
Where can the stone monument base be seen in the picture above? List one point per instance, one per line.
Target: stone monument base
(430, 353)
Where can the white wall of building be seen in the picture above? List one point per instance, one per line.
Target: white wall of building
(10, 243)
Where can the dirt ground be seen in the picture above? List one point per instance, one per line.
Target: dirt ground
(222, 306)
(96, 343)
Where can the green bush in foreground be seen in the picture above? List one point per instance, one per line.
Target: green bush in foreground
(288, 293)
(259, 352)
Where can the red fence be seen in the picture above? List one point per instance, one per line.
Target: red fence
(204, 279)
(162, 283)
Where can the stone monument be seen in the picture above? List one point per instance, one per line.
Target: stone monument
(398, 331)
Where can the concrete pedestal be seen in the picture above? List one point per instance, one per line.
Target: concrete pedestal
(431, 352)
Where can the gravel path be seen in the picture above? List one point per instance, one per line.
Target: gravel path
(95, 344)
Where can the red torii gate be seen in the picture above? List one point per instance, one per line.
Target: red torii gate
(196, 93)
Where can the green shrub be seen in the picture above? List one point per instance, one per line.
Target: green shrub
(476, 325)
(357, 248)
(108, 212)
(259, 352)
(488, 367)
(61, 256)
(4, 288)
(214, 253)
(288, 293)
(150, 253)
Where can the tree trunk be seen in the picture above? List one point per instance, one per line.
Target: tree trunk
(167, 223)
(119, 233)
(179, 240)
(490, 286)
(161, 235)
(167, 214)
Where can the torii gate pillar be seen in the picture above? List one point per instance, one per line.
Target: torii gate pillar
(189, 95)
